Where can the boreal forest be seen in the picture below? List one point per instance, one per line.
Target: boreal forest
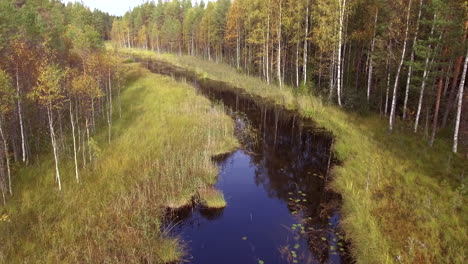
(234, 131)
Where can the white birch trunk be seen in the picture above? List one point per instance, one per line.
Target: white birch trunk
(89, 142)
(7, 157)
(340, 41)
(54, 146)
(395, 87)
(306, 43)
(371, 66)
(459, 106)
(410, 69)
(297, 63)
(423, 85)
(268, 45)
(280, 80)
(20, 116)
(83, 142)
(332, 75)
(74, 143)
(238, 50)
(109, 118)
(408, 82)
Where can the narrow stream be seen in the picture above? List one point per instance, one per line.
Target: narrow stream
(279, 209)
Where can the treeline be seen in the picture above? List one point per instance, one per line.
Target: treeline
(56, 84)
(405, 59)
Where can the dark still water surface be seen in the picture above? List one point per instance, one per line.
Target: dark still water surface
(279, 209)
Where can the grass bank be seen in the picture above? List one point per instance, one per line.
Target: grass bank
(161, 152)
(403, 201)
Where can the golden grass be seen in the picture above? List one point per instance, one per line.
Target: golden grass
(212, 198)
(161, 151)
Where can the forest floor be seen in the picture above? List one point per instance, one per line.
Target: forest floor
(403, 201)
(160, 154)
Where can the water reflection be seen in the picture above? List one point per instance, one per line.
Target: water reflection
(279, 209)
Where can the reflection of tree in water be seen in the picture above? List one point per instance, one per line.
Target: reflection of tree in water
(189, 216)
(211, 214)
(292, 160)
(292, 157)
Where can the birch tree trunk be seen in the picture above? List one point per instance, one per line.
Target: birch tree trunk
(7, 157)
(332, 75)
(421, 94)
(395, 87)
(280, 81)
(109, 118)
(297, 63)
(408, 82)
(454, 83)
(20, 116)
(74, 143)
(423, 85)
(238, 49)
(306, 43)
(410, 69)
(54, 145)
(268, 46)
(83, 142)
(459, 105)
(371, 66)
(340, 41)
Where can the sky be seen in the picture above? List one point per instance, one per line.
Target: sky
(113, 7)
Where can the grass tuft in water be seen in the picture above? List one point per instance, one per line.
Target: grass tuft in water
(212, 198)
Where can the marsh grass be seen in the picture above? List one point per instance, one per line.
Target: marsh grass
(161, 152)
(403, 201)
(212, 198)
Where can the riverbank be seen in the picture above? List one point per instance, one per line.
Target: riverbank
(160, 153)
(403, 201)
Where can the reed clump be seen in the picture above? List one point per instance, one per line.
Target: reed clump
(212, 198)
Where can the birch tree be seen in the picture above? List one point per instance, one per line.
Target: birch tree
(424, 77)
(49, 93)
(278, 62)
(6, 105)
(371, 61)
(459, 104)
(395, 87)
(306, 37)
(410, 68)
(20, 56)
(339, 78)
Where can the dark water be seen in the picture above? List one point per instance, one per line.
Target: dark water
(279, 209)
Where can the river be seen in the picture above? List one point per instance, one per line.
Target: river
(279, 207)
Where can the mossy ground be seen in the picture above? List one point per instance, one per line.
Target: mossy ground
(160, 152)
(403, 201)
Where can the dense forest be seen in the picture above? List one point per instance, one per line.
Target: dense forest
(55, 77)
(404, 59)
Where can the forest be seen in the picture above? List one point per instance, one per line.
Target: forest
(402, 59)
(105, 144)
